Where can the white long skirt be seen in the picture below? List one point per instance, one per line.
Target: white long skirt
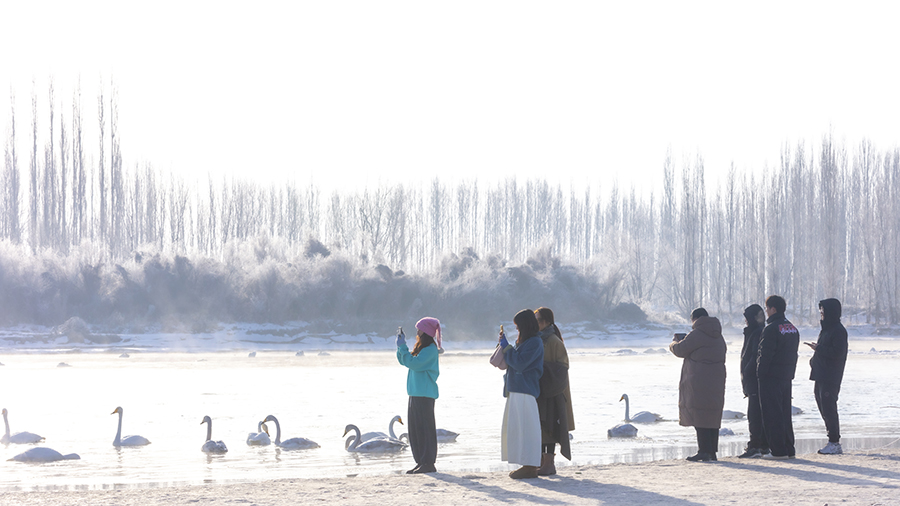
(520, 439)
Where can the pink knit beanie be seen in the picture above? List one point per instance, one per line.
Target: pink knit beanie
(432, 327)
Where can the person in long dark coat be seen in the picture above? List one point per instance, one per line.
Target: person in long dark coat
(827, 365)
(756, 319)
(701, 391)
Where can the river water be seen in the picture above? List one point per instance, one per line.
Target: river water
(166, 395)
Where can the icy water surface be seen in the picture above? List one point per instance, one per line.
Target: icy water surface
(166, 395)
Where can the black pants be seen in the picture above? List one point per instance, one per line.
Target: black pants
(826, 399)
(707, 440)
(775, 401)
(755, 421)
(422, 433)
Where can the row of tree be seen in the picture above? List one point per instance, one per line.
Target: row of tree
(823, 222)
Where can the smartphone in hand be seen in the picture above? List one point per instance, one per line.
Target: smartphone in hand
(679, 336)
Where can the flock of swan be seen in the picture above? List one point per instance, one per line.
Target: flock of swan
(370, 442)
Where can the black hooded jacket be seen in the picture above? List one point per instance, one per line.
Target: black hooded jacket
(778, 349)
(830, 356)
(750, 350)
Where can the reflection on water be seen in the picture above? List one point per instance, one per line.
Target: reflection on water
(166, 395)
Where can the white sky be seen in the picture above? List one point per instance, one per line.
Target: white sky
(357, 92)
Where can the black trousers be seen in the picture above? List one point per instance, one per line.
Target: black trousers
(826, 399)
(422, 433)
(707, 440)
(755, 421)
(775, 401)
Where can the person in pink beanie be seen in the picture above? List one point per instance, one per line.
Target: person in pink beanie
(421, 386)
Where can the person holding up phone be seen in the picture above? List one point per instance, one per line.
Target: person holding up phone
(421, 386)
(827, 365)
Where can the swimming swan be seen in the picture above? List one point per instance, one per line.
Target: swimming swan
(377, 445)
(640, 417)
(211, 446)
(443, 436)
(622, 430)
(127, 440)
(373, 435)
(294, 443)
(260, 438)
(43, 454)
(727, 414)
(19, 438)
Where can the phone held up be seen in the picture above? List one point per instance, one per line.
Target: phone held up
(679, 336)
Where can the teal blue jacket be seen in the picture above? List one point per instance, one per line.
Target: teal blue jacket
(423, 370)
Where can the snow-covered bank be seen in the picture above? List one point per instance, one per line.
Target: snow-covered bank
(307, 337)
(859, 477)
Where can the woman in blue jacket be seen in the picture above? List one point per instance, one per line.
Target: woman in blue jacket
(421, 385)
(521, 434)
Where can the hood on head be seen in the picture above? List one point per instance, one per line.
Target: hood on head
(831, 308)
(750, 314)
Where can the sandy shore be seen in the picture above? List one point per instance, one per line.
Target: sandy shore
(861, 477)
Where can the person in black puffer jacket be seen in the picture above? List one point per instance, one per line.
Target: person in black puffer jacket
(756, 319)
(775, 368)
(827, 365)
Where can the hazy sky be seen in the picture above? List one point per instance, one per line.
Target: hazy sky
(346, 92)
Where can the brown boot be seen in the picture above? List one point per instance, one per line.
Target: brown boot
(524, 472)
(547, 465)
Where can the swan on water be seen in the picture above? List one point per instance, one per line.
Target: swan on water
(373, 435)
(796, 411)
(294, 443)
(251, 354)
(377, 445)
(443, 436)
(211, 446)
(124, 355)
(725, 431)
(727, 414)
(43, 454)
(622, 430)
(640, 417)
(19, 438)
(259, 438)
(127, 440)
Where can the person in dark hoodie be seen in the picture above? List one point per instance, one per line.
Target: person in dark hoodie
(701, 390)
(827, 365)
(775, 368)
(756, 319)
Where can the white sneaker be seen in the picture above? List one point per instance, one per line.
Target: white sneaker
(832, 449)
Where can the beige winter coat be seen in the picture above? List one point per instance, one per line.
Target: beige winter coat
(701, 391)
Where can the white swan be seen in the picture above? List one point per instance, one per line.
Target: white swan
(127, 440)
(211, 446)
(373, 435)
(796, 411)
(43, 454)
(19, 438)
(446, 436)
(443, 436)
(260, 438)
(731, 415)
(377, 445)
(294, 443)
(640, 417)
(622, 430)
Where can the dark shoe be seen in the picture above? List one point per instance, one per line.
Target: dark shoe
(712, 457)
(428, 468)
(414, 470)
(769, 456)
(751, 453)
(700, 457)
(547, 465)
(524, 472)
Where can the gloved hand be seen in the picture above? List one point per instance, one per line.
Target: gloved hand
(503, 342)
(401, 337)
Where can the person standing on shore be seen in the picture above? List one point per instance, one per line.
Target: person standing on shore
(555, 400)
(756, 319)
(827, 363)
(421, 386)
(701, 390)
(520, 437)
(776, 365)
